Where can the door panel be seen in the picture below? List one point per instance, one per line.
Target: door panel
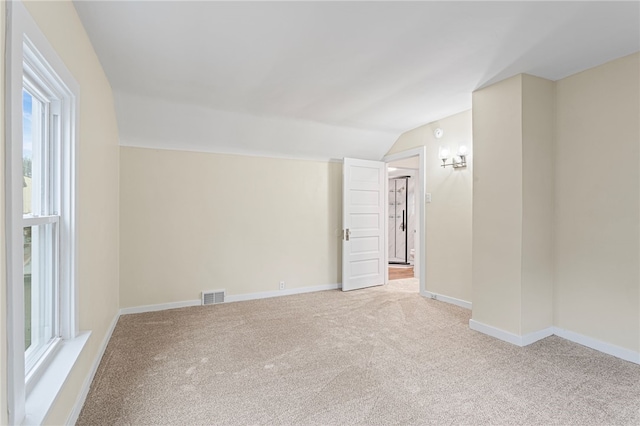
(364, 227)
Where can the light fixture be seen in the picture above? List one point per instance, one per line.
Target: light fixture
(457, 161)
(443, 153)
(392, 169)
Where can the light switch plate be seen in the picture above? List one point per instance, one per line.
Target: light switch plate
(427, 197)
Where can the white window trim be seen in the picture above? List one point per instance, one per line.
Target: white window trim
(27, 404)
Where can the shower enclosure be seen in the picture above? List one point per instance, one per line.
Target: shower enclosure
(401, 218)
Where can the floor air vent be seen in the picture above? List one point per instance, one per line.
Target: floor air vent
(212, 297)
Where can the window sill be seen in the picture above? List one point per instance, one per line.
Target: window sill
(45, 391)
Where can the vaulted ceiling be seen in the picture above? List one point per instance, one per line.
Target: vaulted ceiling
(330, 79)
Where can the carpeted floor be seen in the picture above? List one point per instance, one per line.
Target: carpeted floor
(383, 355)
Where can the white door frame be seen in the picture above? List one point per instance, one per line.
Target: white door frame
(421, 224)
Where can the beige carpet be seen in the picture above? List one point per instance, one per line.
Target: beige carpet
(378, 356)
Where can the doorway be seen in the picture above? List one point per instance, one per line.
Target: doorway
(365, 209)
(405, 202)
(401, 237)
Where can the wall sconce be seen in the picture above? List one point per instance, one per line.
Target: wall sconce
(457, 161)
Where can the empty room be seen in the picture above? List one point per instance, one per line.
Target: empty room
(320, 213)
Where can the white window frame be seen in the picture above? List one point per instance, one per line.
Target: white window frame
(28, 51)
(46, 165)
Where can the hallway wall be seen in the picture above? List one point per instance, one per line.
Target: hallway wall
(448, 216)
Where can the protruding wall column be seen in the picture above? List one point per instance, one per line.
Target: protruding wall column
(513, 128)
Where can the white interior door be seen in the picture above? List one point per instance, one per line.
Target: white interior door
(363, 218)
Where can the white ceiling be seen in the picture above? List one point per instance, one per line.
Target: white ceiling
(363, 72)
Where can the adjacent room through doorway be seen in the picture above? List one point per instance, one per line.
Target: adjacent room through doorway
(402, 235)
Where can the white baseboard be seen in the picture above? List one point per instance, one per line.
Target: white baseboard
(228, 299)
(527, 339)
(530, 338)
(498, 333)
(160, 307)
(447, 299)
(599, 345)
(509, 337)
(84, 391)
(277, 293)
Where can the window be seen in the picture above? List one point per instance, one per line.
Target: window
(41, 219)
(41, 97)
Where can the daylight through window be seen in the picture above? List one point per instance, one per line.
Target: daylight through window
(41, 220)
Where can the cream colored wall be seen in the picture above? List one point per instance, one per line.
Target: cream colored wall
(597, 197)
(4, 416)
(192, 222)
(497, 205)
(538, 129)
(555, 202)
(97, 220)
(448, 216)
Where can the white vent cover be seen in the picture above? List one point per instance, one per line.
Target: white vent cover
(212, 297)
